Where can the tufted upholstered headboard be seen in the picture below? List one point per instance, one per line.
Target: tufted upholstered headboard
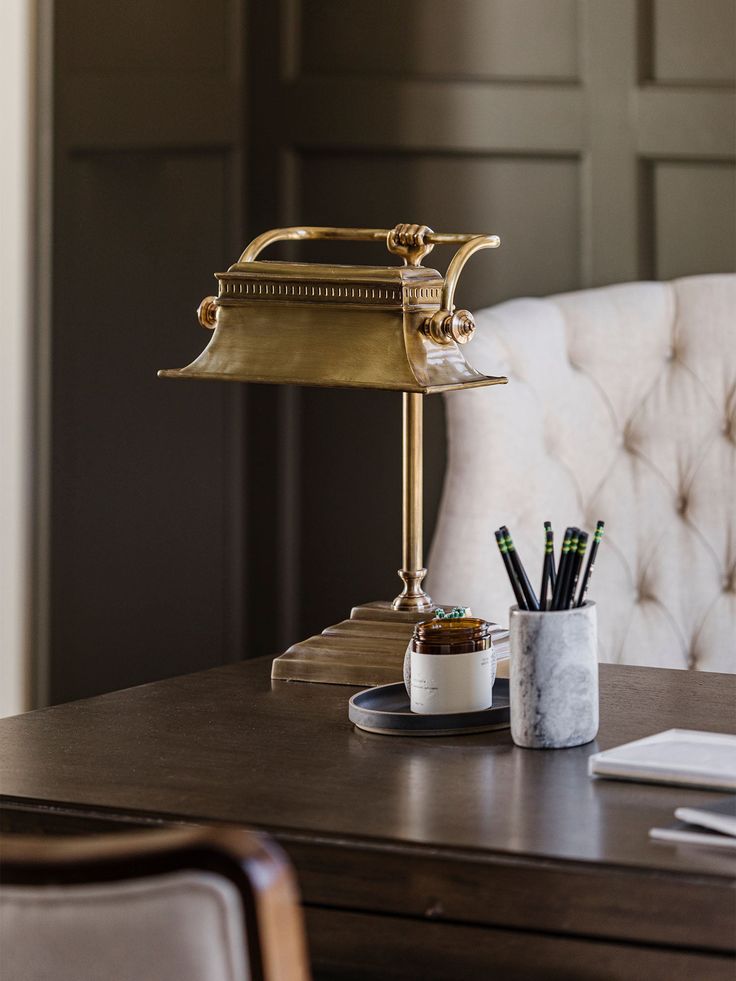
(621, 405)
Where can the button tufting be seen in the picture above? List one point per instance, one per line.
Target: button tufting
(628, 436)
(665, 426)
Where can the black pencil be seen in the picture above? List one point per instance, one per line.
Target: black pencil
(591, 562)
(561, 569)
(530, 596)
(547, 565)
(501, 541)
(569, 562)
(564, 596)
(575, 573)
(552, 570)
(567, 571)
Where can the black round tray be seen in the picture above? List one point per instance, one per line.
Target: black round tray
(386, 711)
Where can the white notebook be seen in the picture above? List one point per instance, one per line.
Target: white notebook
(679, 756)
(719, 816)
(713, 825)
(684, 834)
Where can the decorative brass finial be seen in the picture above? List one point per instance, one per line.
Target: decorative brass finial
(444, 327)
(409, 241)
(207, 312)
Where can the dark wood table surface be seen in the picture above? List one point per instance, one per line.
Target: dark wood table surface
(446, 857)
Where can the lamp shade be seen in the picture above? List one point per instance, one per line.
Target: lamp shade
(384, 327)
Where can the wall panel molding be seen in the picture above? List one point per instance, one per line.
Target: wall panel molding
(686, 123)
(471, 40)
(421, 115)
(559, 144)
(155, 112)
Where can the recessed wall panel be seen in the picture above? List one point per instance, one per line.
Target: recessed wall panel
(438, 38)
(695, 227)
(694, 41)
(140, 465)
(155, 36)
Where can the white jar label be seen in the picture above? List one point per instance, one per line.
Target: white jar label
(442, 683)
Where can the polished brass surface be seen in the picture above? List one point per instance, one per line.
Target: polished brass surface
(412, 597)
(342, 326)
(402, 239)
(411, 242)
(207, 312)
(444, 328)
(385, 327)
(367, 649)
(457, 263)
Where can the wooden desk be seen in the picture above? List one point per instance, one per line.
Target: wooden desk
(453, 858)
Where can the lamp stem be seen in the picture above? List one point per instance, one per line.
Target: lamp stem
(412, 596)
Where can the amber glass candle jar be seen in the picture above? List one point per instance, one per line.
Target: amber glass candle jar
(453, 666)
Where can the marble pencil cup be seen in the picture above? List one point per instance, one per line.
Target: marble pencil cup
(554, 677)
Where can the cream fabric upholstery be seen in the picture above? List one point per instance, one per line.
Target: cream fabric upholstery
(621, 405)
(182, 926)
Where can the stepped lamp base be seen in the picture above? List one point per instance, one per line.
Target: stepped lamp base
(366, 650)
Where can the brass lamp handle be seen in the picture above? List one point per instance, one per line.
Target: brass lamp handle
(471, 246)
(448, 324)
(411, 242)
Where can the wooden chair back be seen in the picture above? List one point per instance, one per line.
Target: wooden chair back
(39, 867)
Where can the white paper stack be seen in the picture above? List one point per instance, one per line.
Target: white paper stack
(677, 756)
(713, 825)
(501, 642)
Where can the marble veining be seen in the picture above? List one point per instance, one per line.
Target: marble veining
(554, 678)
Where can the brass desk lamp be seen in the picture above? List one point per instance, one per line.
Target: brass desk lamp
(385, 327)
